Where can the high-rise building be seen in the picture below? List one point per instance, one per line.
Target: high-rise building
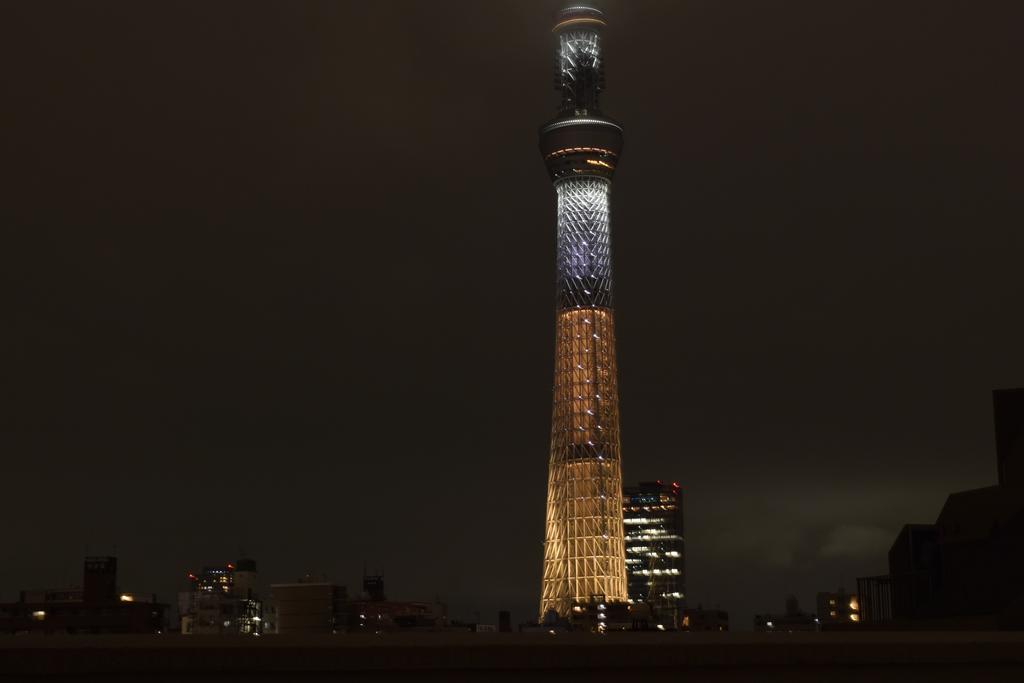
(653, 517)
(584, 555)
(222, 601)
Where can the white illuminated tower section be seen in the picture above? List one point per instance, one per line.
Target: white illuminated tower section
(584, 556)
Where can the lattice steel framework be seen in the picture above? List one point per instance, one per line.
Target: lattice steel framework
(584, 256)
(584, 553)
(578, 69)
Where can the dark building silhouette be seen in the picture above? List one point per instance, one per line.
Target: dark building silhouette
(981, 554)
(914, 568)
(99, 579)
(700, 619)
(793, 619)
(374, 613)
(1008, 409)
(967, 569)
(652, 514)
(874, 593)
(311, 606)
(307, 606)
(373, 587)
(98, 606)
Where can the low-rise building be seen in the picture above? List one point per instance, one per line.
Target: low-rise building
(838, 607)
(306, 606)
(310, 606)
(700, 619)
(793, 619)
(98, 606)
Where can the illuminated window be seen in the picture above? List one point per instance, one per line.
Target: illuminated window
(38, 615)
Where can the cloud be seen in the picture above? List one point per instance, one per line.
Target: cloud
(763, 542)
(853, 540)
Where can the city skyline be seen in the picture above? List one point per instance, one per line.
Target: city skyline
(265, 280)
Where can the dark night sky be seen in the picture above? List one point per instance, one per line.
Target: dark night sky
(280, 277)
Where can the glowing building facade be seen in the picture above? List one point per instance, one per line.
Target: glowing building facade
(584, 556)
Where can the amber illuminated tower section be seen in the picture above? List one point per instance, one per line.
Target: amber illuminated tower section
(584, 557)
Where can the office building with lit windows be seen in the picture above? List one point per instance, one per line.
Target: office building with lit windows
(584, 557)
(222, 601)
(652, 513)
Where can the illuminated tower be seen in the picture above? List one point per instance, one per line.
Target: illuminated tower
(584, 558)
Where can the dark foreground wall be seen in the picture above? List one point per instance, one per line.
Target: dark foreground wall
(500, 657)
